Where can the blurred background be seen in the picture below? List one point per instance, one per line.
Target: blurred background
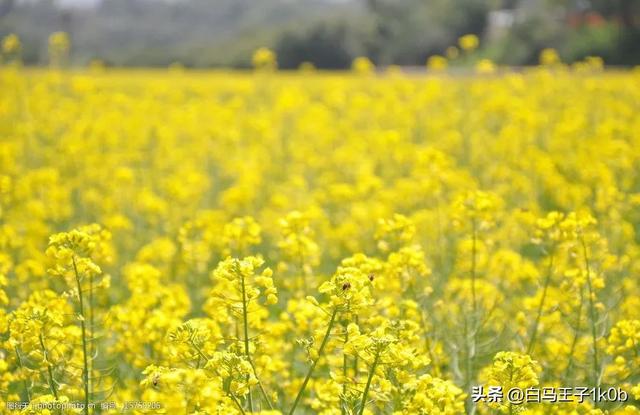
(327, 33)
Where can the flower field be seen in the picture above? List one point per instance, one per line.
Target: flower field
(311, 243)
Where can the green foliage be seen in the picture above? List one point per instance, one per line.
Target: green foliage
(592, 41)
(325, 45)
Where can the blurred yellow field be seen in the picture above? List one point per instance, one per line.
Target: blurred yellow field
(304, 242)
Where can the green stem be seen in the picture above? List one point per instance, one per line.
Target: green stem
(534, 330)
(91, 336)
(27, 390)
(355, 359)
(366, 388)
(245, 322)
(52, 385)
(469, 347)
(262, 391)
(427, 344)
(235, 400)
(473, 270)
(315, 362)
(471, 340)
(592, 316)
(574, 343)
(85, 371)
(246, 329)
(344, 373)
